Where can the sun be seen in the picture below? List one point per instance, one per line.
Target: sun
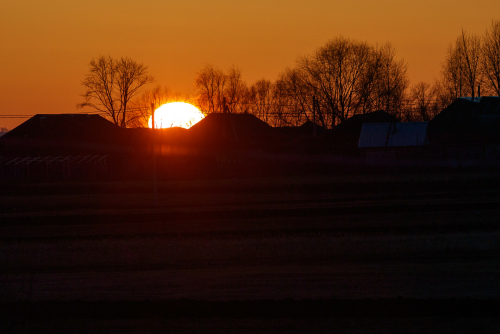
(176, 114)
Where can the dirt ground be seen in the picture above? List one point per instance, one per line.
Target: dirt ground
(417, 238)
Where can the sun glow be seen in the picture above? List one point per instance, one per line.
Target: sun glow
(176, 114)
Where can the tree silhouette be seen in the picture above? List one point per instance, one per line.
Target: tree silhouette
(346, 77)
(211, 83)
(296, 95)
(221, 92)
(111, 84)
(490, 65)
(424, 103)
(261, 100)
(461, 68)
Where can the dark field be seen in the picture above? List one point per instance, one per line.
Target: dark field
(352, 253)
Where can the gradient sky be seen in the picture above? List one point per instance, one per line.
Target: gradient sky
(46, 45)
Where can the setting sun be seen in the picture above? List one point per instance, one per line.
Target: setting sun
(176, 114)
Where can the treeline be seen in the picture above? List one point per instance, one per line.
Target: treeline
(343, 78)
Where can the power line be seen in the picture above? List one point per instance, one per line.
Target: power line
(73, 113)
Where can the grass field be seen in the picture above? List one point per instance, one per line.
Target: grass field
(422, 238)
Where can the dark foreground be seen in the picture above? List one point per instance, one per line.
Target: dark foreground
(355, 253)
(298, 316)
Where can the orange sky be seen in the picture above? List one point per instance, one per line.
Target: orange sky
(46, 45)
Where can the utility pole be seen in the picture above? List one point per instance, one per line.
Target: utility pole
(153, 151)
(314, 116)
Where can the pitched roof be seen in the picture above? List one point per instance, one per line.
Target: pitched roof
(81, 127)
(57, 131)
(230, 130)
(393, 134)
(467, 121)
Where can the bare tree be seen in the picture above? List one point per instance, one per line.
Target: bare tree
(219, 91)
(235, 90)
(490, 65)
(348, 77)
(391, 80)
(423, 104)
(469, 48)
(444, 93)
(280, 105)
(261, 100)
(111, 84)
(211, 82)
(453, 81)
(335, 73)
(461, 73)
(295, 95)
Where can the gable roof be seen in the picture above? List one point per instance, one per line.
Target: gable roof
(467, 120)
(81, 127)
(62, 131)
(231, 129)
(393, 134)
